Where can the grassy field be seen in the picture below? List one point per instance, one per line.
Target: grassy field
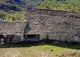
(34, 49)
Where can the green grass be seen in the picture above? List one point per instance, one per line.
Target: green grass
(55, 49)
(35, 49)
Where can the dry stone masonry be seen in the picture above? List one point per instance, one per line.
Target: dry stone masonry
(59, 25)
(46, 24)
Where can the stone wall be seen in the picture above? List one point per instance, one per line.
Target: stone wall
(43, 36)
(12, 31)
(18, 38)
(69, 38)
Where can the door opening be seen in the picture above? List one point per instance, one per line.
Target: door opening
(32, 37)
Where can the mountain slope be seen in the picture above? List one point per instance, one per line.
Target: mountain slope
(17, 5)
(13, 10)
(67, 5)
(32, 3)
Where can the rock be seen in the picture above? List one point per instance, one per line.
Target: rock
(70, 38)
(43, 36)
(63, 38)
(76, 39)
(18, 38)
(58, 36)
(52, 36)
(8, 38)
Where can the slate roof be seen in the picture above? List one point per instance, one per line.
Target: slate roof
(12, 27)
(43, 21)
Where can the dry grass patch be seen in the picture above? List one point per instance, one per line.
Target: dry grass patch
(38, 50)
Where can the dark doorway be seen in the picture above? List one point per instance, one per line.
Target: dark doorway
(32, 37)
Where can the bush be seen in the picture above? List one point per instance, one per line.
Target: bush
(14, 16)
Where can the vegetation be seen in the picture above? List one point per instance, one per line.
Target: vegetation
(32, 3)
(67, 5)
(33, 49)
(12, 16)
(2, 14)
(13, 10)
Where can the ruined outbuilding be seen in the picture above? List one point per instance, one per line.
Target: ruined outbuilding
(44, 24)
(12, 31)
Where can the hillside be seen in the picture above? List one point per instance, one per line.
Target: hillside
(32, 3)
(13, 10)
(18, 5)
(15, 5)
(67, 5)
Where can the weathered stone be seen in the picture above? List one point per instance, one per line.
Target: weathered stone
(58, 37)
(76, 39)
(52, 36)
(70, 38)
(17, 38)
(8, 38)
(43, 36)
(12, 27)
(63, 37)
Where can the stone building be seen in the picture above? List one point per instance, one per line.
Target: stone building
(44, 24)
(12, 31)
(58, 25)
